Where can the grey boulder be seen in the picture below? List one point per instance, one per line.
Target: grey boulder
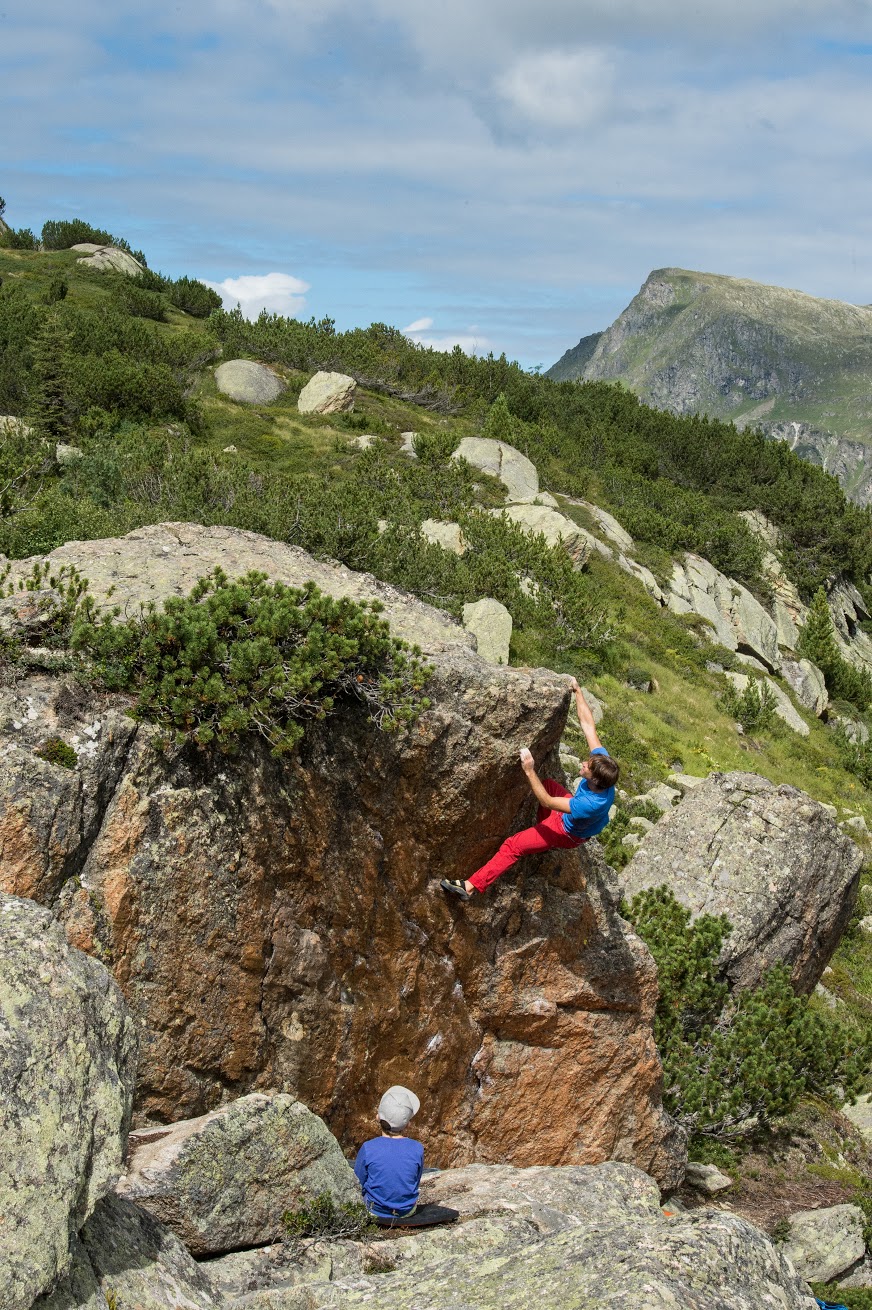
(491, 624)
(108, 259)
(67, 1066)
(223, 1180)
(516, 472)
(327, 393)
(557, 529)
(825, 1243)
(248, 382)
(770, 858)
(807, 683)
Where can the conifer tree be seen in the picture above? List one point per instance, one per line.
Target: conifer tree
(50, 412)
(817, 640)
(499, 424)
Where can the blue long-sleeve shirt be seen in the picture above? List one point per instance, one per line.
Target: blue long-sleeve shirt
(389, 1171)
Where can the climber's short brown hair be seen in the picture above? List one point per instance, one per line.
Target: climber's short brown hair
(603, 772)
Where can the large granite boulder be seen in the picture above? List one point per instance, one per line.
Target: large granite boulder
(248, 382)
(825, 1243)
(107, 259)
(67, 1061)
(516, 472)
(279, 922)
(770, 858)
(224, 1180)
(807, 683)
(125, 1260)
(556, 528)
(569, 1238)
(327, 393)
(491, 624)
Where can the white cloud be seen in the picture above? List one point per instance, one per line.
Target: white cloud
(471, 342)
(277, 292)
(558, 88)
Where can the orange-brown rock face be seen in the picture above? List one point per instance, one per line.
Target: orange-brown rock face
(278, 924)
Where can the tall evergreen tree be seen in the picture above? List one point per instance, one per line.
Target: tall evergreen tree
(499, 423)
(50, 410)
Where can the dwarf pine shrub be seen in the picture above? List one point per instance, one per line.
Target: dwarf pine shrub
(730, 1058)
(321, 1217)
(250, 656)
(754, 707)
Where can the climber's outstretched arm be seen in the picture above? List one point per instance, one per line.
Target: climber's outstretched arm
(544, 797)
(585, 718)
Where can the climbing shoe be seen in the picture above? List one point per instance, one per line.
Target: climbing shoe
(457, 886)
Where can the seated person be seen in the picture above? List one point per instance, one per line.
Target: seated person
(389, 1167)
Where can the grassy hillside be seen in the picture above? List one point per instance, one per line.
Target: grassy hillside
(735, 349)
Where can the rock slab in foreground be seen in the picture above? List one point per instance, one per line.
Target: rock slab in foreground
(571, 1238)
(825, 1243)
(770, 858)
(224, 1180)
(274, 926)
(491, 624)
(248, 382)
(67, 1063)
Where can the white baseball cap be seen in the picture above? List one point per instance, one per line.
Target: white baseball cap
(398, 1106)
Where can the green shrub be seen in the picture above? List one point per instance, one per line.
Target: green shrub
(56, 751)
(817, 642)
(321, 1218)
(18, 239)
(140, 303)
(754, 707)
(855, 1298)
(193, 297)
(250, 656)
(855, 756)
(435, 448)
(56, 290)
(731, 1059)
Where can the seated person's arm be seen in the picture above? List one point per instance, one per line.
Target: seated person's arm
(585, 718)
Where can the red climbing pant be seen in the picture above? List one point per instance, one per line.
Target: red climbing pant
(546, 833)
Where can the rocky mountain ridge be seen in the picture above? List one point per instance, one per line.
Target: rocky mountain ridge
(795, 366)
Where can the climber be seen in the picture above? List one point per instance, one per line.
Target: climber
(389, 1168)
(563, 820)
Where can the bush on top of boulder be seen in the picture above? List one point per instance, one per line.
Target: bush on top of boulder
(248, 382)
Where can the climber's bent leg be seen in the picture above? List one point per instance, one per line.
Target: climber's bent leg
(544, 836)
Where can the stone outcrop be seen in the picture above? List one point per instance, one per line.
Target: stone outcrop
(768, 857)
(571, 1237)
(224, 1180)
(445, 534)
(125, 1260)
(556, 528)
(516, 472)
(279, 923)
(825, 1243)
(807, 683)
(738, 620)
(491, 624)
(108, 259)
(67, 1058)
(248, 382)
(327, 393)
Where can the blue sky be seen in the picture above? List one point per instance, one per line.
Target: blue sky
(499, 172)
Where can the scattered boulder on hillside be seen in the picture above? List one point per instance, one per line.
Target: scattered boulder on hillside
(738, 620)
(491, 624)
(108, 259)
(447, 535)
(125, 1260)
(768, 857)
(9, 423)
(825, 1243)
(324, 952)
(248, 382)
(516, 472)
(327, 393)
(807, 683)
(224, 1180)
(556, 528)
(67, 1063)
(607, 523)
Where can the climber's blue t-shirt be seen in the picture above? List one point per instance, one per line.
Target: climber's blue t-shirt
(389, 1171)
(588, 809)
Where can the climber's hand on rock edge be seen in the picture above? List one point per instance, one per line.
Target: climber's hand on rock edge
(528, 764)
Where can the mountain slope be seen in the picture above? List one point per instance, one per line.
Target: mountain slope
(798, 367)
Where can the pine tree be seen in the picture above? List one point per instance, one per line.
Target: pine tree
(817, 640)
(50, 412)
(499, 424)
